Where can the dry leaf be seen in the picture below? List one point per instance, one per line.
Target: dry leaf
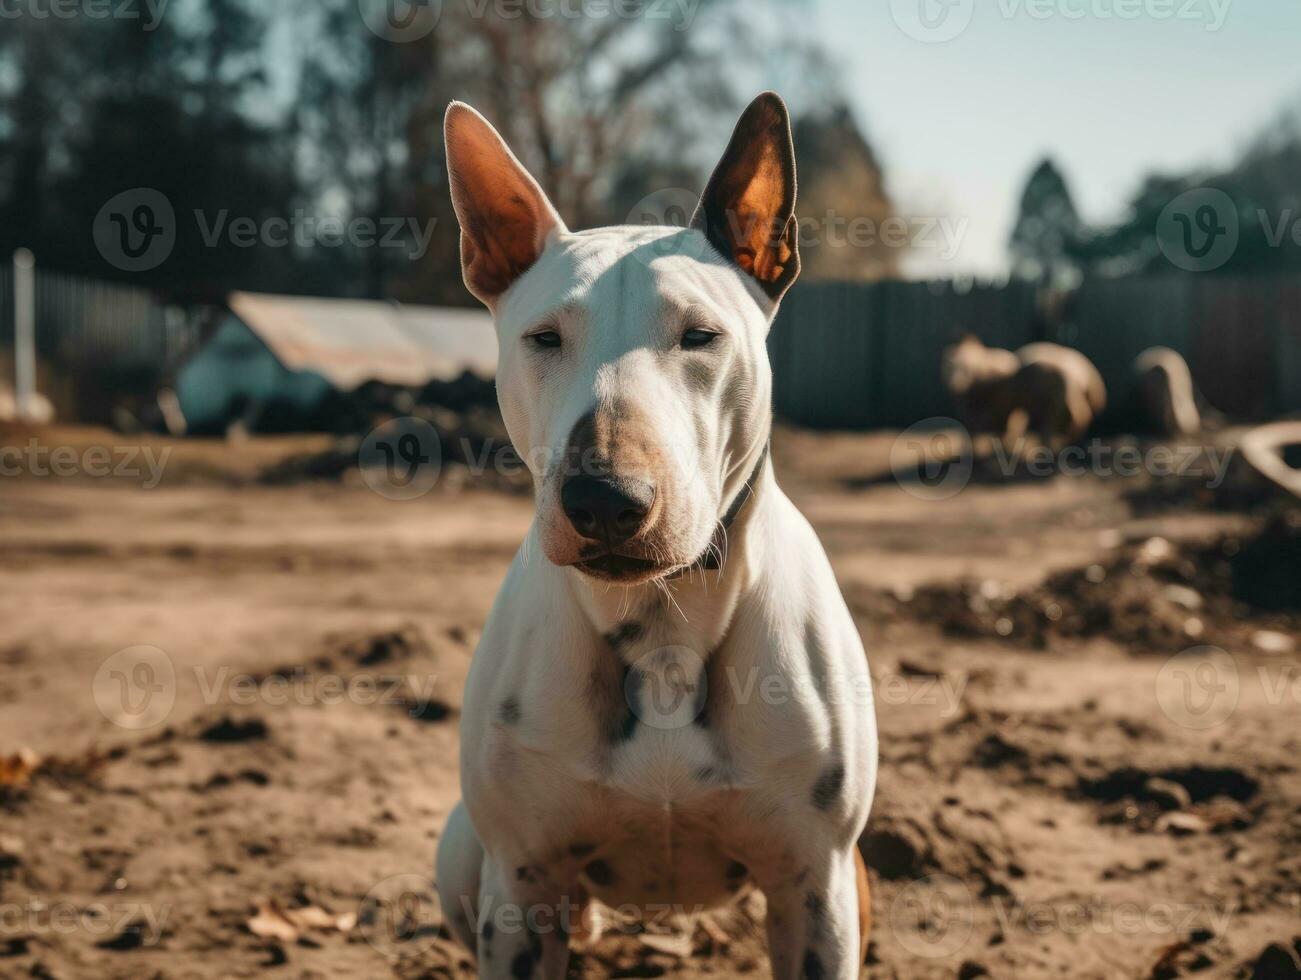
(1182, 823)
(273, 921)
(674, 945)
(16, 770)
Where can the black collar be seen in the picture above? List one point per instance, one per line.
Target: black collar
(710, 560)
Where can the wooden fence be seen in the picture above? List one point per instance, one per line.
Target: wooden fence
(847, 356)
(95, 341)
(868, 355)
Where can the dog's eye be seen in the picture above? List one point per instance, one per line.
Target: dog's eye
(545, 338)
(695, 338)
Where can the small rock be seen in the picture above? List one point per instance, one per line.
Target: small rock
(1168, 794)
(1183, 597)
(1270, 641)
(1182, 824)
(970, 970)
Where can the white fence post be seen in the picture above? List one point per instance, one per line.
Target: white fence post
(24, 332)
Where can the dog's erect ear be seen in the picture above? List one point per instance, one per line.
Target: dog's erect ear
(748, 209)
(505, 217)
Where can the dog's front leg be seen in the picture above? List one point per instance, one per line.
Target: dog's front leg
(814, 921)
(525, 922)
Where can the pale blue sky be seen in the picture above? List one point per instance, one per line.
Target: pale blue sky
(960, 123)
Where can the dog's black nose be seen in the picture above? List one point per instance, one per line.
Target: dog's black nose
(606, 509)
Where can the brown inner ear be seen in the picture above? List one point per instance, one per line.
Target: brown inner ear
(758, 232)
(505, 217)
(499, 243)
(748, 211)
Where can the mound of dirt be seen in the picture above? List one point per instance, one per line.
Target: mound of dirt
(472, 446)
(1151, 594)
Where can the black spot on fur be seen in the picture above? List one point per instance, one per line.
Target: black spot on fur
(827, 789)
(623, 634)
(600, 873)
(816, 909)
(528, 874)
(581, 850)
(701, 718)
(633, 680)
(510, 711)
(813, 966)
(521, 967)
(736, 871)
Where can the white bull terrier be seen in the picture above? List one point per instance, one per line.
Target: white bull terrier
(670, 703)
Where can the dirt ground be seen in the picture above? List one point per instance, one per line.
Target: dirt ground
(228, 725)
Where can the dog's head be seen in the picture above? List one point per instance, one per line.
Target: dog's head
(633, 374)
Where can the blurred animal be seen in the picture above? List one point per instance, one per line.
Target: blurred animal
(1167, 399)
(605, 749)
(979, 379)
(1047, 389)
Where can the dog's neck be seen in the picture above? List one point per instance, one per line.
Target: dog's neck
(694, 608)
